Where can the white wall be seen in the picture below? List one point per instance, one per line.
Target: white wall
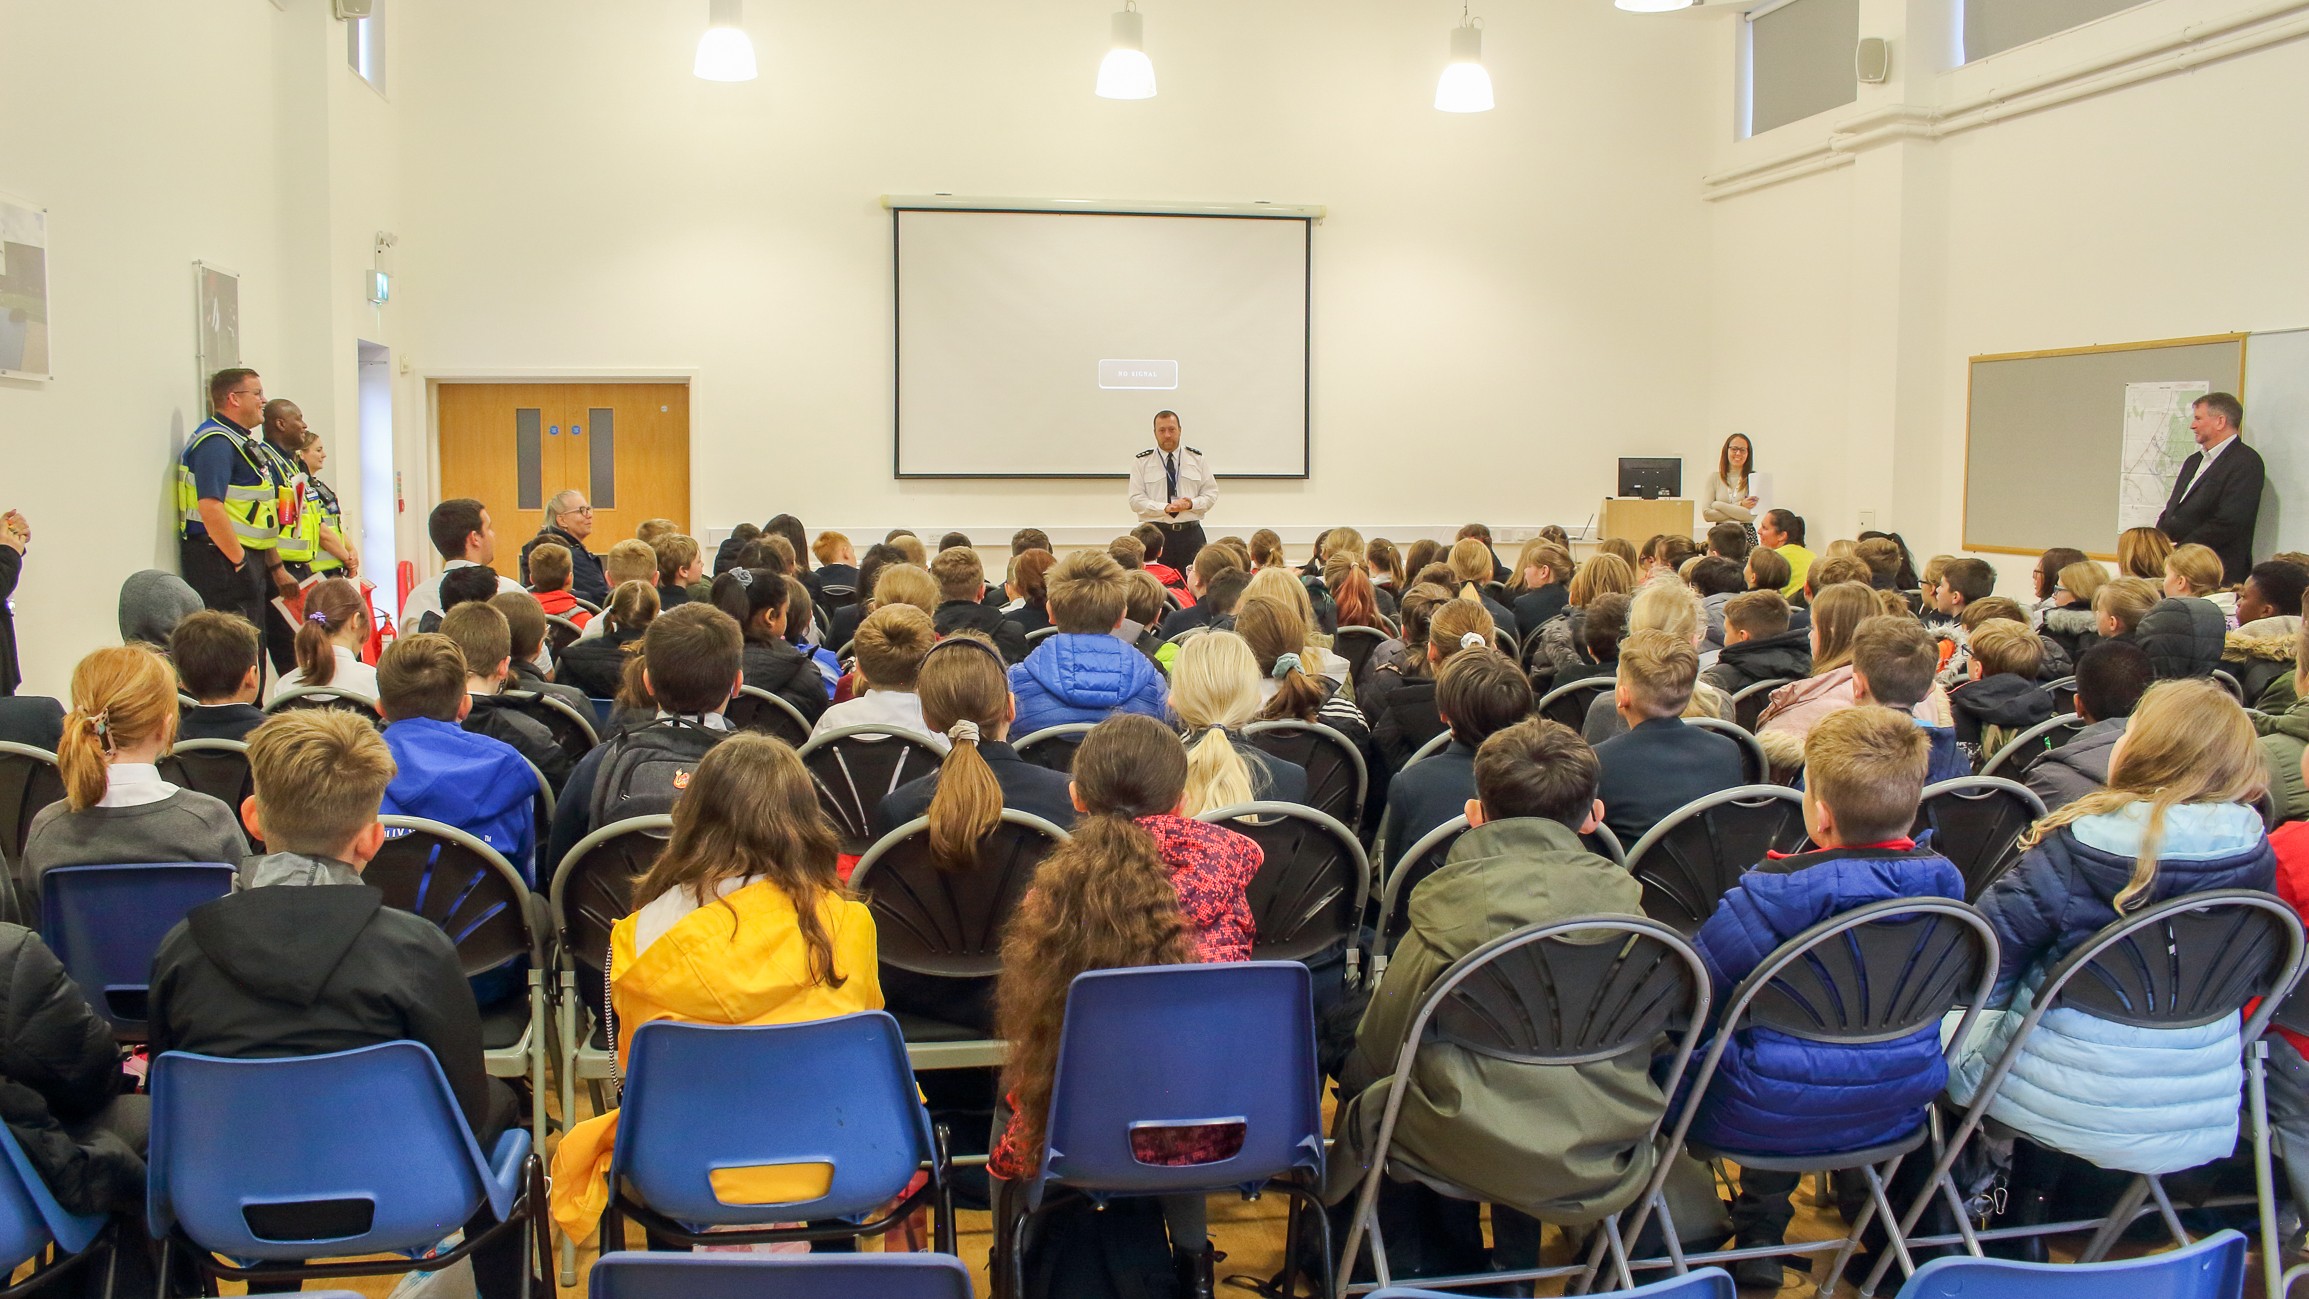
(1526, 283)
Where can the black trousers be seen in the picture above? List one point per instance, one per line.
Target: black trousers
(1181, 543)
(243, 589)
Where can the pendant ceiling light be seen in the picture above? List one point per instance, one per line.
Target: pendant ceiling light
(1652, 6)
(1126, 72)
(1464, 87)
(725, 52)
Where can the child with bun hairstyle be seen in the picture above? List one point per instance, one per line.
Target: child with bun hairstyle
(329, 641)
(1403, 715)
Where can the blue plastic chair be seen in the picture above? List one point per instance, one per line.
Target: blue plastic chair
(1704, 1283)
(105, 922)
(634, 1275)
(372, 1135)
(707, 1098)
(31, 1220)
(2213, 1268)
(1179, 1046)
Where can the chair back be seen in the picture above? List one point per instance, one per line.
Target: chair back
(1605, 843)
(2063, 692)
(1872, 974)
(462, 885)
(856, 767)
(1750, 701)
(1568, 703)
(1308, 895)
(1041, 634)
(1434, 745)
(1337, 779)
(1412, 865)
(2029, 747)
(1752, 760)
(1237, 1046)
(634, 1274)
(574, 732)
(2184, 963)
(1570, 992)
(756, 709)
(1357, 645)
(561, 633)
(29, 781)
(217, 768)
(1689, 860)
(947, 923)
(2213, 1268)
(1053, 747)
(2226, 681)
(831, 1092)
(351, 701)
(238, 1145)
(592, 887)
(1976, 822)
(30, 1218)
(105, 922)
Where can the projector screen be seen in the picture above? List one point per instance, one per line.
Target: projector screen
(1041, 344)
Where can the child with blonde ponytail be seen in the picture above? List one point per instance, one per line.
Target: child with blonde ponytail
(2175, 819)
(1214, 692)
(116, 808)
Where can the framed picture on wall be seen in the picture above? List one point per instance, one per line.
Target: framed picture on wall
(24, 349)
(217, 333)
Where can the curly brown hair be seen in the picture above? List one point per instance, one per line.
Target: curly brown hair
(1102, 901)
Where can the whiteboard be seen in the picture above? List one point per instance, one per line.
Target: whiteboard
(2277, 425)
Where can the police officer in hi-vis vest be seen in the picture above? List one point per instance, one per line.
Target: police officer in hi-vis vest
(316, 544)
(1172, 488)
(229, 491)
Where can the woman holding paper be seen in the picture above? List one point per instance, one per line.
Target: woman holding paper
(1731, 495)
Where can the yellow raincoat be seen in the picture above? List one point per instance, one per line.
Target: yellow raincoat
(714, 967)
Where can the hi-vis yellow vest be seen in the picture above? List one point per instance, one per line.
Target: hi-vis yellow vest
(254, 508)
(321, 511)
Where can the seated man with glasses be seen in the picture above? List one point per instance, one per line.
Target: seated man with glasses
(568, 522)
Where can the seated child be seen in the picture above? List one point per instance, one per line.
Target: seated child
(890, 646)
(762, 603)
(961, 582)
(1402, 696)
(216, 663)
(329, 641)
(549, 581)
(1478, 696)
(525, 624)
(1660, 764)
(1892, 660)
(484, 639)
(443, 772)
(1214, 692)
(1759, 645)
(2110, 680)
(2002, 698)
(1083, 673)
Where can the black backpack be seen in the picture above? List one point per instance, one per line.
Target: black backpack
(645, 770)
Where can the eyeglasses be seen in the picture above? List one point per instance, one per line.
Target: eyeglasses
(247, 392)
(578, 509)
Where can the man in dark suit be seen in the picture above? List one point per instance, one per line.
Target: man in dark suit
(2218, 495)
(1660, 764)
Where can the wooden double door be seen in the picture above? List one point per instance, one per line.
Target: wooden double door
(514, 446)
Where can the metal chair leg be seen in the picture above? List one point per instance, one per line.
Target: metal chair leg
(2257, 1115)
(2127, 1208)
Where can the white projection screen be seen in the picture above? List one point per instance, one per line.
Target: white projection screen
(1040, 344)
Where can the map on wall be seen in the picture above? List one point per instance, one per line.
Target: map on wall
(23, 291)
(2157, 440)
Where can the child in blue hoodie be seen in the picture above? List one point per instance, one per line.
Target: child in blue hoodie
(1085, 673)
(1773, 1094)
(445, 773)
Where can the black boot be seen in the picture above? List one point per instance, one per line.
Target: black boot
(1759, 1273)
(1197, 1271)
(2026, 1207)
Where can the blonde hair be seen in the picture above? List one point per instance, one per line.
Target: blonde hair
(829, 546)
(906, 584)
(1284, 585)
(630, 560)
(1470, 562)
(1603, 574)
(1215, 689)
(649, 531)
(1455, 620)
(2083, 579)
(1343, 541)
(2198, 566)
(1667, 604)
(1867, 766)
(2188, 742)
(675, 552)
(909, 545)
(1539, 552)
(1087, 593)
(122, 695)
(320, 776)
(2003, 646)
(1837, 612)
(2141, 552)
(891, 643)
(1659, 668)
(2127, 599)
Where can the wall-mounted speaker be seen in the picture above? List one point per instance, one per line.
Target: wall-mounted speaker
(1873, 62)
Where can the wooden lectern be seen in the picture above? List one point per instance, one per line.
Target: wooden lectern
(1635, 519)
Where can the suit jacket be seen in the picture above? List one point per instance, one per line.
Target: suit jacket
(2220, 512)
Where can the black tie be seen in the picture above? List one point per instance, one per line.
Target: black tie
(1171, 474)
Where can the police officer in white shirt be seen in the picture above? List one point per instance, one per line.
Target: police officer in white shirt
(1172, 487)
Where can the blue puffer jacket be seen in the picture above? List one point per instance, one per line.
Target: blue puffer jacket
(1779, 1095)
(1080, 677)
(2136, 1099)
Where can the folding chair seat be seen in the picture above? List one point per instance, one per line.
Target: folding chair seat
(1874, 974)
(2063, 692)
(2189, 962)
(2028, 748)
(1750, 701)
(2213, 1268)
(856, 767)
(217, 768)
(1040, 634)
(1338, 780)
(742, 1126)
(33, 1226)
(634, 1275)
(1693, 858)
(756, 709)
(1308, 896)
(105, 923)
(261, 1162)
(476, 897)
(1976, 822)
(1574, 992)
(946, 926)
(1053, 747)
(1235, 1040)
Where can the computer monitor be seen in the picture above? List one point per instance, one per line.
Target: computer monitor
(1649, 477)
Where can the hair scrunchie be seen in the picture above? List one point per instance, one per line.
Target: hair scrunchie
(745, 576)
(963, 732)
(317, 616)
(1474, 640)
(1285, 665)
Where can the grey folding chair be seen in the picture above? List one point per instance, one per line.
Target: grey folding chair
(1427, 750)
(2026, 749)
(1568, 703)
(756, 709)
(1415, 863)
(1976, 822)
(1689, 860)
(1757, 767)
(1750, 701)
(1309, 894)
(856, 767)
(1053, 747)
(1338, 780)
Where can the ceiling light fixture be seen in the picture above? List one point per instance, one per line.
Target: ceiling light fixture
(1652, 6)
(1464, 87)
(725, 52)
(1126, 72)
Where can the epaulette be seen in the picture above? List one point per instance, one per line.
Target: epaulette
(1144, 454)
(1197, 450)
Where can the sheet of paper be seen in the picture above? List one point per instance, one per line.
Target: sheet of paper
(2157, 440)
